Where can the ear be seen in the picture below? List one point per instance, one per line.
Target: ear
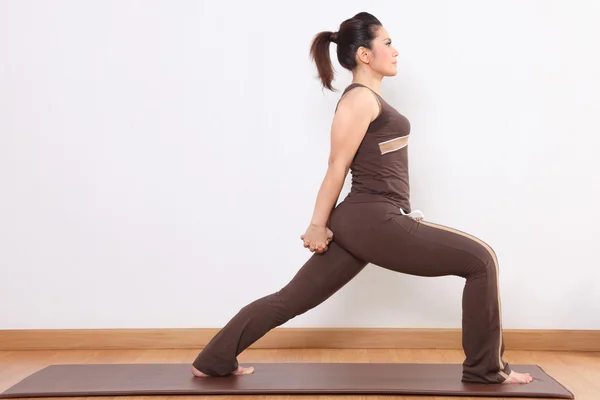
(363, 54)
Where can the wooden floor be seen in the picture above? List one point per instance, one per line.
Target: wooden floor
(579, 372)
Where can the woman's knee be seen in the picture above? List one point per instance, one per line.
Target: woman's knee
(483, 264)
(483, 252)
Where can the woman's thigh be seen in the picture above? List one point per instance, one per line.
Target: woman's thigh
(381, 235)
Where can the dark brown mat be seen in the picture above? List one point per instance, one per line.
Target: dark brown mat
(275, 378)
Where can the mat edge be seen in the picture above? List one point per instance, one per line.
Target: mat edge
(291, 392)
(557, 382)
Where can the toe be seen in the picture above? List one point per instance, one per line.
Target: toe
(244, 371)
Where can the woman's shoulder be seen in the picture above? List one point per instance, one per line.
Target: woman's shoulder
(359, 95)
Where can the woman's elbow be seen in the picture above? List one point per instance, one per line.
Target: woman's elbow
(339, 166)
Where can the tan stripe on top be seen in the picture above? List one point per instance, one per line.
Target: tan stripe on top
(393, 144)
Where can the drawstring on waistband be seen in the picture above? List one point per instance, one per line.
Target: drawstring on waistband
(416, 215)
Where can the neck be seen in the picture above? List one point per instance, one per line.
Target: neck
(369, 80)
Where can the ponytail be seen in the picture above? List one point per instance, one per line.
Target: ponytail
(353, 33)
(319, 52)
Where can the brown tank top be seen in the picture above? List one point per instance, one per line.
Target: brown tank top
(380, 166)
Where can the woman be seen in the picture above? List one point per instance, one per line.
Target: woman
(374, 223)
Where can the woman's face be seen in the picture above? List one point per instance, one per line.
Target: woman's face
(382, 56)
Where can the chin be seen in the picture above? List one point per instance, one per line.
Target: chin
(392, 71)
(389, 72)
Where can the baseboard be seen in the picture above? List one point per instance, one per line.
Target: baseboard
(325, 338)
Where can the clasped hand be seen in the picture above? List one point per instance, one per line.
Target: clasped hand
(317, 238)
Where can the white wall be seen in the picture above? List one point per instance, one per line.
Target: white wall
(159, 160)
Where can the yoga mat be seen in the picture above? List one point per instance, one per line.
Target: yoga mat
(276, 378)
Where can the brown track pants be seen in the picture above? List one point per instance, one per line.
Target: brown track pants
(378, 233)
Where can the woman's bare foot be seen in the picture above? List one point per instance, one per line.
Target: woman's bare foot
(239, 371)
(516, 377)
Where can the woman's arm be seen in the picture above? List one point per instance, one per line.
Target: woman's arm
(355, 112)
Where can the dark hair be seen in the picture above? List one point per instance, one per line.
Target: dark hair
(353, 33)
